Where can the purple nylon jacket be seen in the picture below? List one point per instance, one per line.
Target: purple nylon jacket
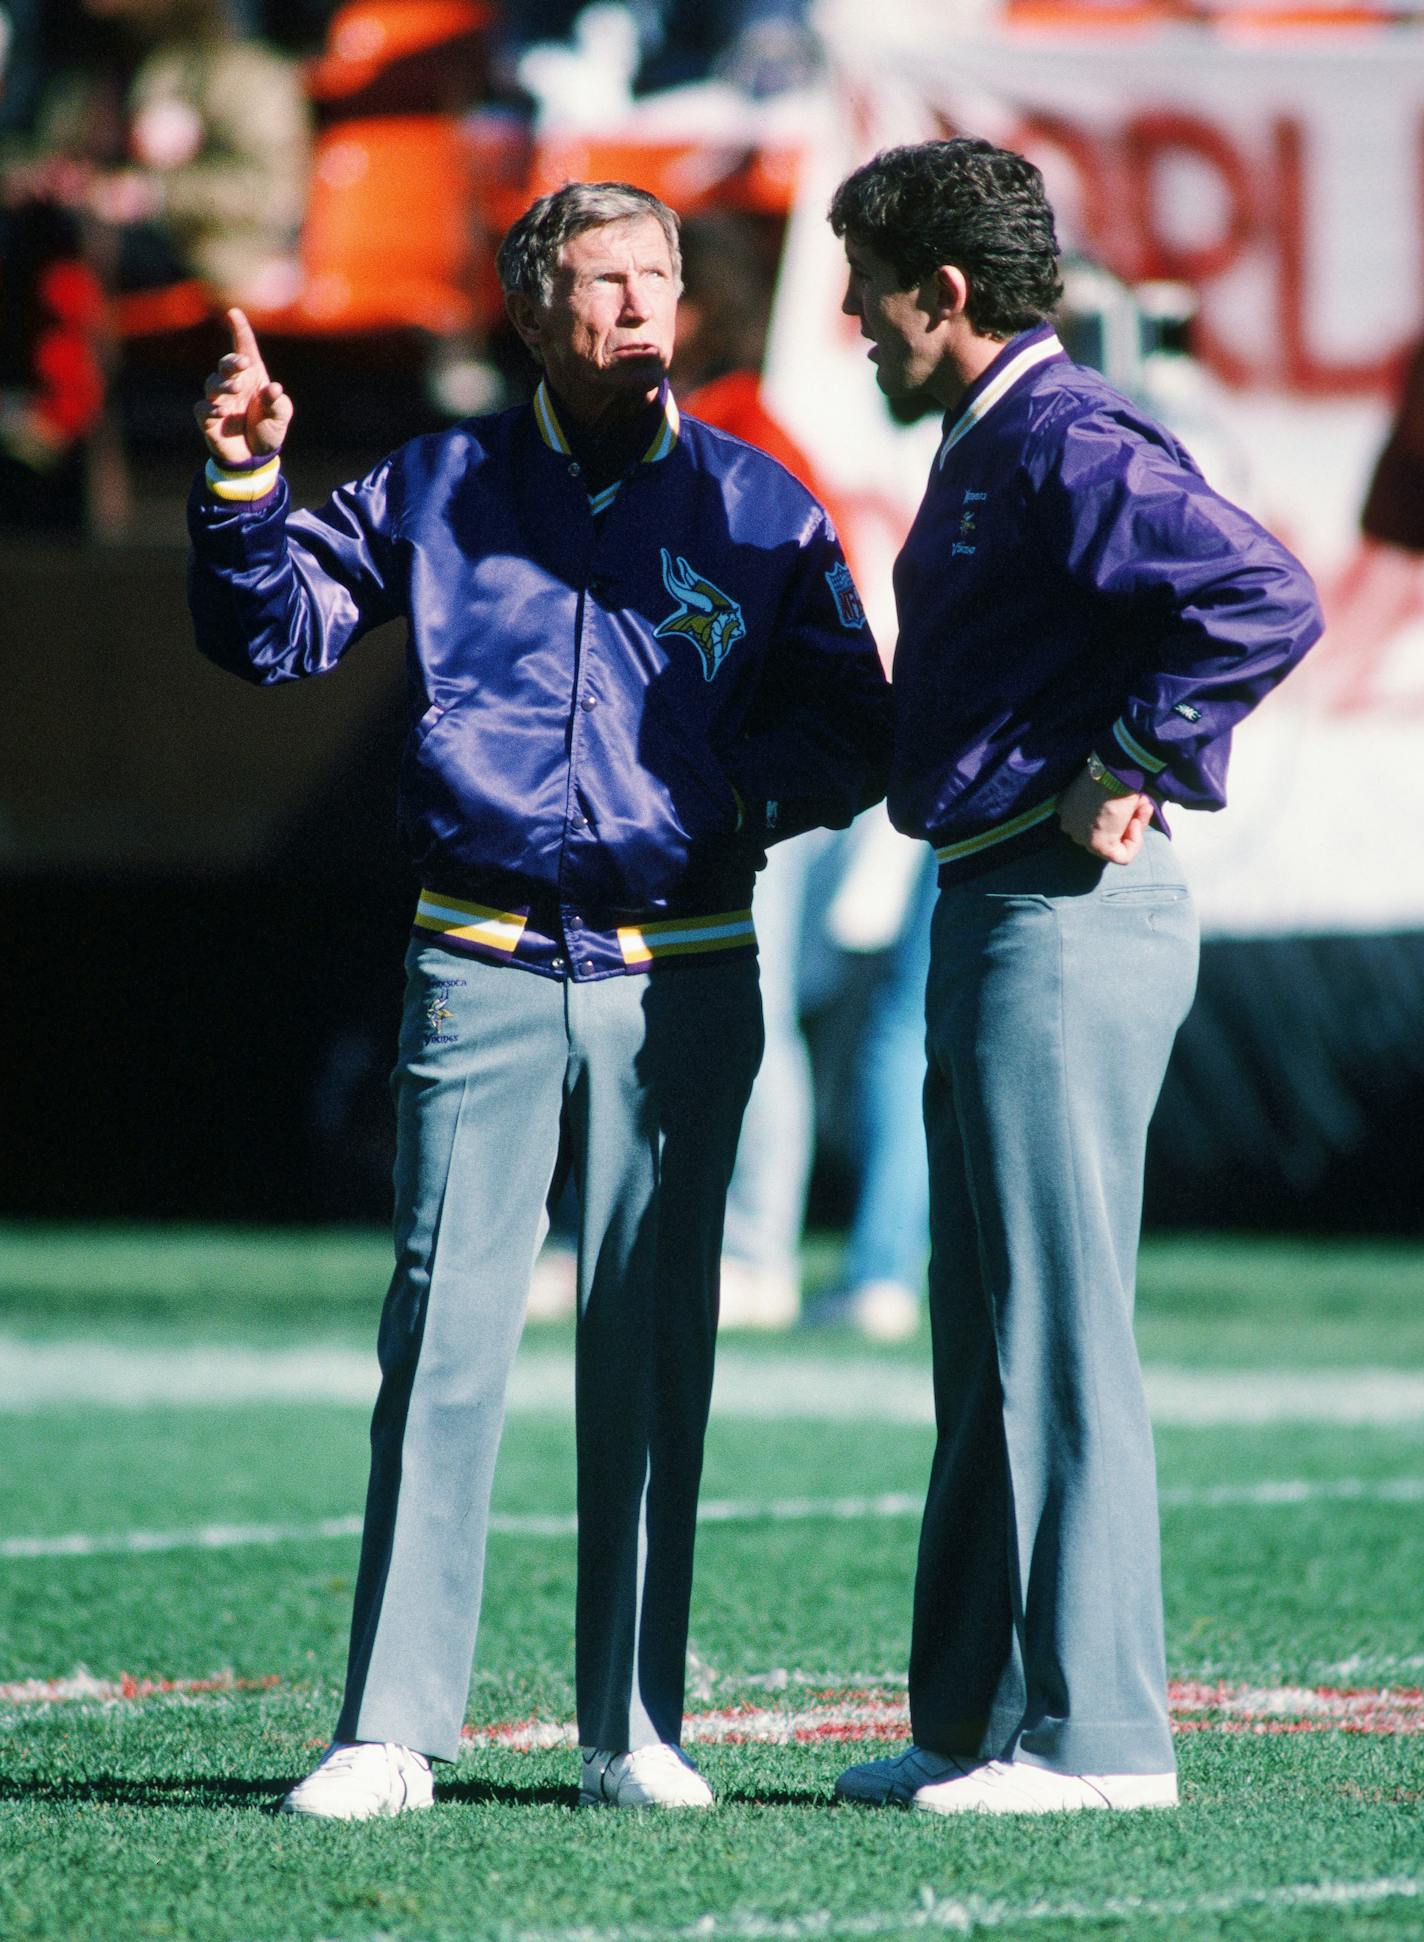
(1072, 585)
(616, 700)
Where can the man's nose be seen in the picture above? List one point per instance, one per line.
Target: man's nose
(637, 300)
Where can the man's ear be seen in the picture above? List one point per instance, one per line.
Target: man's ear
(523, 313)
(950, 292)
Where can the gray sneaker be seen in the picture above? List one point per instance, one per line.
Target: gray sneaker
(895, 1782)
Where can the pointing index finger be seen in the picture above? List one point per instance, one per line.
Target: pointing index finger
(244, 340)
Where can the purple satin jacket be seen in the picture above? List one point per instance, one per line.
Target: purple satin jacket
(1071, 585)
(616, 699)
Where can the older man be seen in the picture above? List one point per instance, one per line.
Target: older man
(635, 658)
(1082, 623)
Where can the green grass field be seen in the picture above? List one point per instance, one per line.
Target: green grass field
(182, 1438)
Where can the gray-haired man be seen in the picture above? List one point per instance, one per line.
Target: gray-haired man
(635, 658)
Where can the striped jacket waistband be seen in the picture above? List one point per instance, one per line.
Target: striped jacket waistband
(567, 944)
(1031, 820)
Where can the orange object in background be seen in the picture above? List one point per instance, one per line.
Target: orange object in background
(689, 176)
(390, 238)
(1250, 20)
(387, 243)
(1247, 18)
(387, 240)
(367, 37)
(1099, 16)
(413, 182)
(155, 313)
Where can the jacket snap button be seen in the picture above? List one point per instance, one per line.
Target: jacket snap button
(589, 701)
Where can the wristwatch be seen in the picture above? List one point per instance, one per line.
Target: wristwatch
(1105, 778)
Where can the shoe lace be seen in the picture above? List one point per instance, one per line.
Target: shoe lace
(342, 1759)
(932, 1767)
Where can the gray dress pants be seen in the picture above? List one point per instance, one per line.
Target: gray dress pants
(1056, 987)
(649, 1076)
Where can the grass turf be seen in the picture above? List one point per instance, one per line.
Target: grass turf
(147, 1819)
(1242, 1302)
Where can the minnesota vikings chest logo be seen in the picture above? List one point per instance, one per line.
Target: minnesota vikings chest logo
(711, 620)
(968, 540)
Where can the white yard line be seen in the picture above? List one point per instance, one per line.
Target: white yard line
(1193, 1398)
(1295, 1490)
(1375, 1666)
(81, 1685)
(970, 1914)
(713, 1510)
(37, 1375)
(56, 1374)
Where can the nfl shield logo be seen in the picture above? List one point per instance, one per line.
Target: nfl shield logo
(845, 596)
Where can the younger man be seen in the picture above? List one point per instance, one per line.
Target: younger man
(1082, 623)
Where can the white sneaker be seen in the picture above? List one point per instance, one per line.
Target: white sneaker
(881, 1311)
(879, 1783)
(649, 1776)
(553, 1284)
(1005, 1787)
(361, 1780)
(756, 1297)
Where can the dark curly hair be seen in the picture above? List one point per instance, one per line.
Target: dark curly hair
(963, 202)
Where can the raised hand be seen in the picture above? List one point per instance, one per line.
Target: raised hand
(244, 414)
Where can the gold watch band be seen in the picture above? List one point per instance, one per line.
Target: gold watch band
(1105, 779)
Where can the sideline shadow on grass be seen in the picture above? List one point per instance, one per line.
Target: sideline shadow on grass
(115, 1790)
(261, 1796)
(494, 1793)
(257, 1796)
(487, 1793)
(729, 1796)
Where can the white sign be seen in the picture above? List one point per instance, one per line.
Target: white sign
(1283, 179)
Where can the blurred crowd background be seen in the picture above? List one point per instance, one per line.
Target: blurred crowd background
(200, 893)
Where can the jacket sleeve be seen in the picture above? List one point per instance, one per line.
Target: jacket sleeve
(1221, 609)
(815, 746)
(277, 595)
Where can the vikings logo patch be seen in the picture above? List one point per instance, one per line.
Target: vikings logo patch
(713, 622)
(438, 1013)
(847, 600)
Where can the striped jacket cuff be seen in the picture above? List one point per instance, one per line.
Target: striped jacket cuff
(241, 484)
(1133, 765)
